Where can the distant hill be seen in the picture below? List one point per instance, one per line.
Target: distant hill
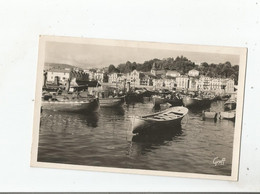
(48, 66)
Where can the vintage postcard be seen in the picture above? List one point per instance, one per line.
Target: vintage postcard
(139, 107)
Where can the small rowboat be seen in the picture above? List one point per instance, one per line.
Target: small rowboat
(111, 102)
(228, 115)
(170, 118)
(209, 115)
(230, 105)
(83, 105)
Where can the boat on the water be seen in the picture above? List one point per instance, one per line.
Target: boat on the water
(196, 102)
(111, 102)
(230, 105)
(132, 97)
(158, 121)
(65, 104)
(230, 115)
(158, 100)
(209, 115)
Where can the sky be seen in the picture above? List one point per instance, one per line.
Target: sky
(89, 56)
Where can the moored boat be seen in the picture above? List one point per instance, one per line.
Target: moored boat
(209, 115)
(111, 102)
(158, 100)
(158, 121)
(132, 97)
(90, 104)
(231, 115)
(196, 102)
(230, 105)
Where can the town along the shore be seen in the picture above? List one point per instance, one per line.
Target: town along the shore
(75, 90)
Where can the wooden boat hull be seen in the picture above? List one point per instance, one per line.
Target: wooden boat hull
(111, 102)
(195, 102)
(228, 115)
(90, 105)
(209, 115)
(142, 125)
(133, 97)
(157, 101)
(230, 105)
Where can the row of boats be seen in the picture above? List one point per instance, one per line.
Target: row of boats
(171, 117)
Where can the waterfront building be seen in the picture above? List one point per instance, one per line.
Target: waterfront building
(172, 74)
(182, 82)
(146, 78)
(99, 76)
(157, 72)
(134, 78)
(193, 84)
(204, 83)
(121, 78)
(193, 73)
(230, 86)
(113, 77)
(217, 85)
(59, 75)
(170, 83)
(158, 83)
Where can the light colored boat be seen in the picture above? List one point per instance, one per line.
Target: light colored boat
(209, 115)
(77, 105)
(231, 115)
(169, 118)
(111, 102)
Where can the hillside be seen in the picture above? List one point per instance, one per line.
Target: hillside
(48, 66)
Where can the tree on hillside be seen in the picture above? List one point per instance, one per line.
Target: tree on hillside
(112, 69)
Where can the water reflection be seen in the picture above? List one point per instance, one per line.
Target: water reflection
(118, 111)
(63, 121)
(101, 139)
(158, 137)
(146, 144)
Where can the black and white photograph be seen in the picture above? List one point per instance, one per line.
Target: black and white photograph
(139, 107)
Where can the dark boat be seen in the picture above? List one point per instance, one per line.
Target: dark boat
(196, 102)
(132, 97)
(158, 121)
(111, 102)
(225, 97)
(158, 100)
(90, 104)
(230, 105)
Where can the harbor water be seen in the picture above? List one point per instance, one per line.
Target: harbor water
(104, 139)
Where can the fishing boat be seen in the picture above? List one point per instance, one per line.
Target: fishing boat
(230, 105)
(225, 97)
(196, 102)
(158, 100)
(111, 102)
(132, 97)
(230, 115)
(90, 104)
(158, 121)
(209, 115)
